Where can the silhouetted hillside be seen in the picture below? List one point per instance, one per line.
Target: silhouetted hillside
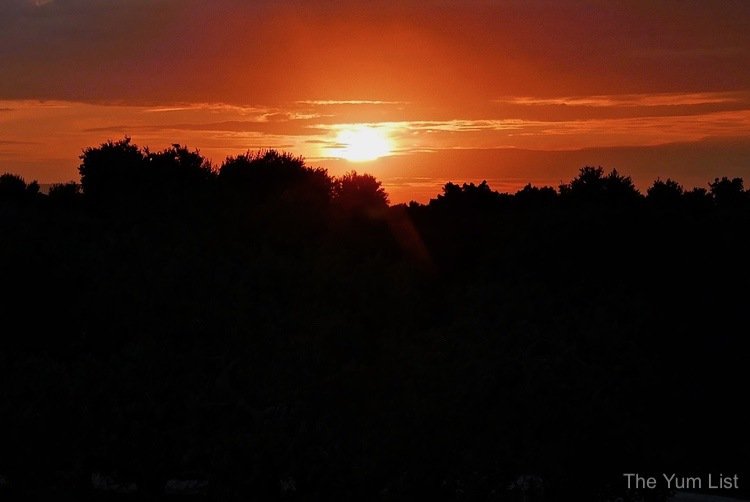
(263, 330)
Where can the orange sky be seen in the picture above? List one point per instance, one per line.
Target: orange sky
(510, 91)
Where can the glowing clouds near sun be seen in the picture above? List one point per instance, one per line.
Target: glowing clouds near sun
(362, 143)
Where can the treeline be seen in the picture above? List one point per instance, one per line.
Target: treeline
(119, 173)
(264, 330)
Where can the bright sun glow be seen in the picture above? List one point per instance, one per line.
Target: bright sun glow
(362, 143)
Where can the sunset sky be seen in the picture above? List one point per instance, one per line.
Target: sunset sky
(508, 91)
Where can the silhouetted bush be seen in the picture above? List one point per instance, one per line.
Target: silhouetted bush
(14, 188)
(593, 186)
(468, 197)
(68, 190)
(177, 169)
(113, 172)
(65, 194)
(728, 192)
(258, 177)
(121, 176)
(535, 197)
(360, 194)
(665, 193)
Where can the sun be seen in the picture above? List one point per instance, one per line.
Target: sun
(362, 143)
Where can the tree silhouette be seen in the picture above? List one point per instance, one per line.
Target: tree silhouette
(14, 188)
(728, 192)
(593, 186)
(620, 188)
(589, 183)
(178, 166)
(112, 172)
(272, 175)
(67, 195)
(359, 193)
(531, 196)
(119, 174)
(468, 197)
(665, 193)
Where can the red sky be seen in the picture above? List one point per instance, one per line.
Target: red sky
(511, 91)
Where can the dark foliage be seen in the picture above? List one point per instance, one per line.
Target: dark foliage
(113, 172)
(665, 193)
(360, 194)
(271, 332)
(593, 186)
(728, 192)
(65, 195)
(13, 189)
(270, 175)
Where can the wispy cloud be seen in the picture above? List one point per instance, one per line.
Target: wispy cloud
(209, 107)
(631, 100)
(119, 129)
(458, 125)
(33, 104)
(6, 142)
(331, 102)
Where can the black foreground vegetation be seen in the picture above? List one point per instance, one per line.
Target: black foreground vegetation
(264, 331)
